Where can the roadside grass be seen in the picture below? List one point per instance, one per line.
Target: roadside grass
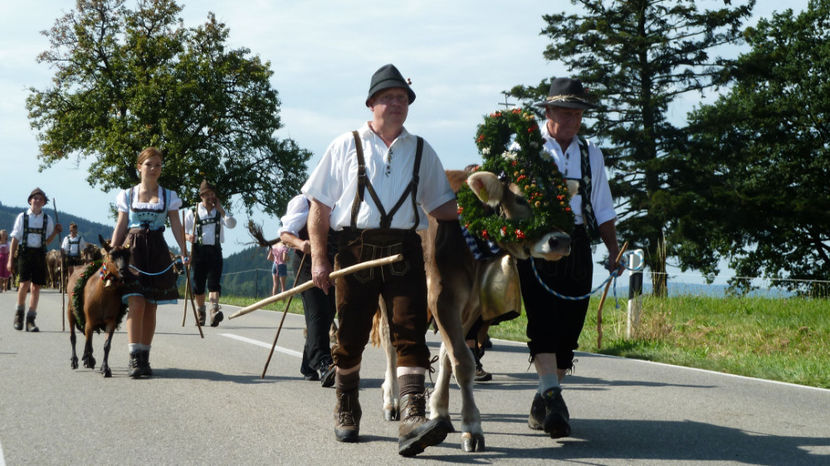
(785, 339)
(770, 338)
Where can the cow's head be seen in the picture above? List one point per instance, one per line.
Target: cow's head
(509, 202)
(91, 253)
(116, 267)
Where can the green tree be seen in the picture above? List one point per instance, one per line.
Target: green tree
(127, 78)
(753, 178)
(637, 57)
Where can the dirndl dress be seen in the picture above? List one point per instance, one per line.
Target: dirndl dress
(150, 257)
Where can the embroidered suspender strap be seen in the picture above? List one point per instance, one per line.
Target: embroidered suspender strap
(361, 178)
(206, 221)
(77, 242)
(27, 230)
(588, 217)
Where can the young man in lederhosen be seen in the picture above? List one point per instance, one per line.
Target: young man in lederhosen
(373, 187)
(72, 246)
(33, 231)
(209, 220)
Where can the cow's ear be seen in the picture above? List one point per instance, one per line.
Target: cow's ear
(573, 187)
(487, 187)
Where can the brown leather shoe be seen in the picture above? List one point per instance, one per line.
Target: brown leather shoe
(216, 316)
(347, 416)
(415, 432)
(202, 316)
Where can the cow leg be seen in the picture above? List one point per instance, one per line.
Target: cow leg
(89, 361)
(73, 362)
(389, 388)
(105, 367)
(456, 353)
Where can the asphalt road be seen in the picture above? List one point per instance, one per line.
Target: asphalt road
(208, 405)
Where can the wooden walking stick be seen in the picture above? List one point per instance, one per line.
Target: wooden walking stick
(310, 284)
(188, 291)
(284, 312)
(63, 269)
(604, 294)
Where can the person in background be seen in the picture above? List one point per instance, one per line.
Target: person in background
(279, 271)
(5, 274)
(33, 231)
(207, 223)
(319, 307)
(71, 248)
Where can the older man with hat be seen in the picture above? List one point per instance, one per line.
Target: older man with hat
(554, 324)
(33, 231)
(203, 227)
(374, 187)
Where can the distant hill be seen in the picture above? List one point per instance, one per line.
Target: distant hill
(87, 229)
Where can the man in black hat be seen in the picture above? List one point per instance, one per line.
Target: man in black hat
(33, 230)
(203, 227)
(374, 188)
(554, 324)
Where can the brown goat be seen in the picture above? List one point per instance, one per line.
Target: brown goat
(95, 304)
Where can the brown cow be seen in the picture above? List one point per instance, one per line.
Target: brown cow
(53, 268)
(457, 297)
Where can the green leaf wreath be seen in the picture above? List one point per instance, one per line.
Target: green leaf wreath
(527, 166)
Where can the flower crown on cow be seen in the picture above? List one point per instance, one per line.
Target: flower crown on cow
(511, 146)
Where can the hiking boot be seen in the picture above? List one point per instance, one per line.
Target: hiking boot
(415, 432)
(30, 322)
(216, 316)
(347, 416)
(202, 316)
(556, 414)
(132, 366)
(18, 319)
(143, 357)
(536, 419)
(481, 375)
(326, 373)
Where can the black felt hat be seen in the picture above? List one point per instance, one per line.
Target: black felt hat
(35, 192)
(387, 76)
(567, 93)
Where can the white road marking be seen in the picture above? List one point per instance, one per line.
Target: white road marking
(263, 344)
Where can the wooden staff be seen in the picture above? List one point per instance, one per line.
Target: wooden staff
(63, 269)
(309, 284)
(188, 291)
(604, 294)
(284, 312)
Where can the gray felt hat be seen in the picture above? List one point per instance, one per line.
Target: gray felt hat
(387, 76)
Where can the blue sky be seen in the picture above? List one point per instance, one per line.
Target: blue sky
(459, 54)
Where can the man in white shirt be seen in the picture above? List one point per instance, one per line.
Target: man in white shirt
(72, 246)
(554, 324)
(33, 230)
(203, 227)
(374, 188)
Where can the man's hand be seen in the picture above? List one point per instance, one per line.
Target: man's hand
(320, 271)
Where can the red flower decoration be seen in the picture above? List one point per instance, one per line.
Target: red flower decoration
(520, 234)
(484, 234)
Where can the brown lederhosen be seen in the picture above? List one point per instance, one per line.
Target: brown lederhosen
(402, 284)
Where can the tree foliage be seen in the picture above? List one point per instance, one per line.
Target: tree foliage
(125, 79)
(752, 183)
(637, 57)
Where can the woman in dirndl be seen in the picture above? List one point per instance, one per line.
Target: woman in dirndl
(142, 212)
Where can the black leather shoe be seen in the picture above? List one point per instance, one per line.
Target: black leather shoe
(556, 414)
(327, 372)
(132, 366)
(30, 323)
(536, 419)
(18, 320)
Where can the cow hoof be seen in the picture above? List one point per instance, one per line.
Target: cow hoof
(107, 372)
(472, 442)
(391, 414)
(73, 363)
(89, 363)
